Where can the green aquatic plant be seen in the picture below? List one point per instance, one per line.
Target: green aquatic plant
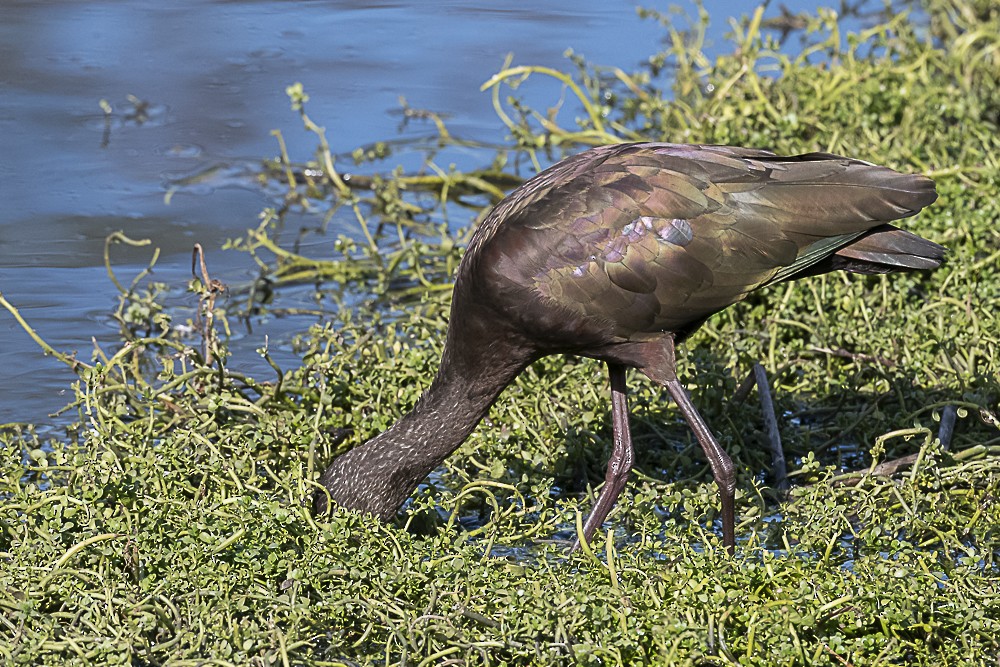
(171, 523)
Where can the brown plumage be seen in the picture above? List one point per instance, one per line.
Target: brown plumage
(619, 253)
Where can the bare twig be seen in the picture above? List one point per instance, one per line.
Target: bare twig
(947, 428)
(209, 291)
(758, 376)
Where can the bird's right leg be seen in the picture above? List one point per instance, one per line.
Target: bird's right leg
(622, 455)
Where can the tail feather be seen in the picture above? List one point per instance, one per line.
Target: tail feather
(887, 248)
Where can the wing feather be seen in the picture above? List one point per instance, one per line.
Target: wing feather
(641, 238)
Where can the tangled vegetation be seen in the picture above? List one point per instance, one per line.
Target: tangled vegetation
(172, 524)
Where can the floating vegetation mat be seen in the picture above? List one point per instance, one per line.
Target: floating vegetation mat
(171, 524)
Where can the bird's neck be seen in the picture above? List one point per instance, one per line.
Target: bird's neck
(457, 400)
(380, 475)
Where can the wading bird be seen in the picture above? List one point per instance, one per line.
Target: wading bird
(620, 253)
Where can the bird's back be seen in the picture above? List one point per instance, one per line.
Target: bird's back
(626, 242)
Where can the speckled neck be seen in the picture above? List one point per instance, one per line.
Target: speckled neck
(380, 475)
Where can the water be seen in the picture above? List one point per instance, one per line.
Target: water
(211, 78)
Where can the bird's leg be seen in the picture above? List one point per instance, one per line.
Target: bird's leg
(622, 455)
(663, 370)
(758, 376)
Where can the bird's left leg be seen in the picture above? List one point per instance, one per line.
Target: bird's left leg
(660, 365)
(622, 455)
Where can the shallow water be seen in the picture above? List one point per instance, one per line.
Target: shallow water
(211, 78)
